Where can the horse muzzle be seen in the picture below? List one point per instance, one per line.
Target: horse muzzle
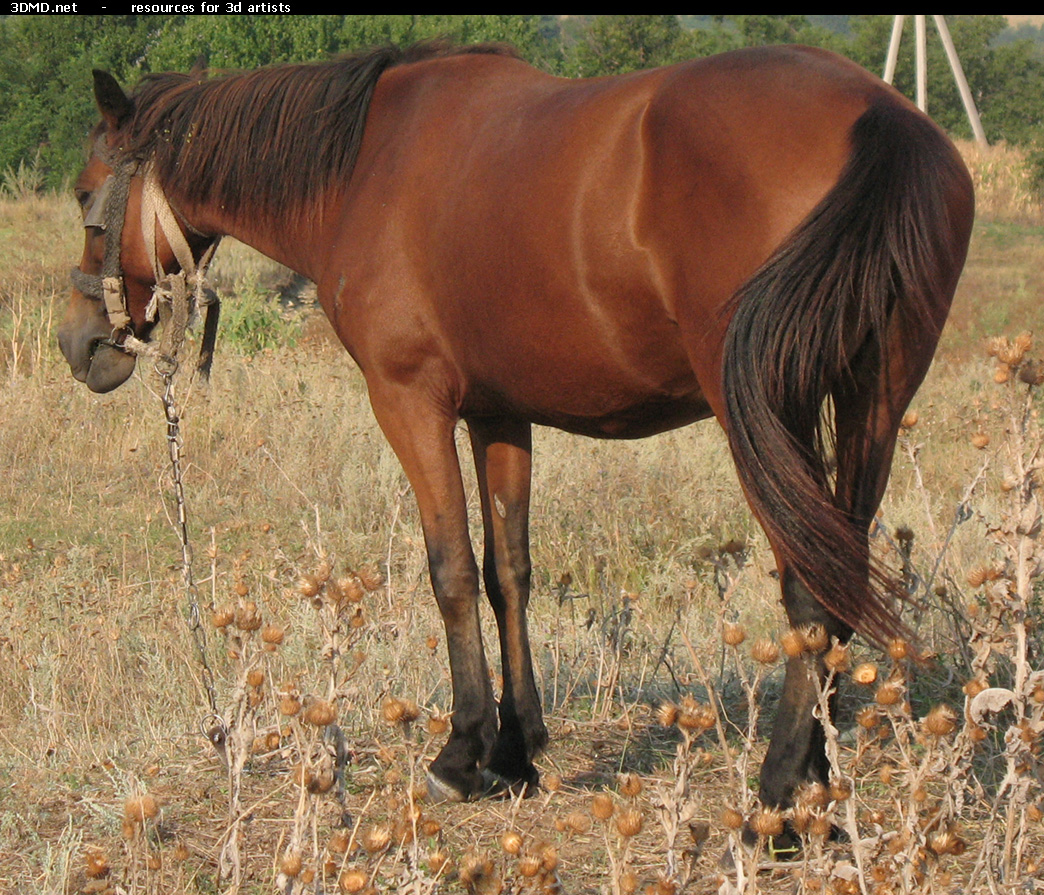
(92, 355)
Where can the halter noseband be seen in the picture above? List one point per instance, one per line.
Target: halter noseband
(176, 297)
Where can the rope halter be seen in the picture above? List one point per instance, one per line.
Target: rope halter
(176, 297)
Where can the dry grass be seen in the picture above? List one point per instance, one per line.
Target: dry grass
(641, 551)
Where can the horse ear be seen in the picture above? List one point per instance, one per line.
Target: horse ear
(198, 72)
(113, 103)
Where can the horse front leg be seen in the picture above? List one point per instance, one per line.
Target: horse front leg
(423, 439)
(503, 461)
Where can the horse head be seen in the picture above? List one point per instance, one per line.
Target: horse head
(109, 316)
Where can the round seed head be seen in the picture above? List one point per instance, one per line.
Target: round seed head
(352, 880)
(731, 819)
(255, 677)
(767, 822)
(308, 586)
(793, 642)
(529, 865)
(273, 634)
(898, 649)
(910, 419)
(981, 439)
(602, 806)
(888, 694)
(868, 717)
(974, 687)
(630, 785)
(667, 714)
(629, 822)
(578, 822)
(821, 825)
(370, 577)
(733, 635)
(838, 658)
(351, 589)
(941, 721)
(393, 710)
(511, 842)
(438, 724)
(222, 618)
(865, 673)
(628, 882)
(140, 809)
(289, 705)
(765, 651)
(377, 838)
(816, 638)
(840, 790)
(96, 863)
(248, 616)
(319, 713)
(291, 862)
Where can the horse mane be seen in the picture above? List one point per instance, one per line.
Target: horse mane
(270, 141)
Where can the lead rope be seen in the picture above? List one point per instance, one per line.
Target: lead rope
(213, 726)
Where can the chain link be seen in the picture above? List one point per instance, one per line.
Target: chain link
(213, 725)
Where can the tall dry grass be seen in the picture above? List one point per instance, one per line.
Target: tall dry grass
(645, 556)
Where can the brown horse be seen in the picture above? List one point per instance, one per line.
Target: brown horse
(749, 236)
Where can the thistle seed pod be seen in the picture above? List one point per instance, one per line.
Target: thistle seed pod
(272, 635)
(816, 638)
(865, 673)
(941, 721)
(629, 822)
(898, 649)
(767, 822)
(731, 819)
(248, 616)
(222, 618)
(667, 714)
(602, 806)
(352, 880)
(793, 643)
(319, 713)
(630, 785)
(888, 694)
(733, 635)
(838, 658)
(511, 842)
(140, 809)
(578, 822)
(290, 865)
(765, 652)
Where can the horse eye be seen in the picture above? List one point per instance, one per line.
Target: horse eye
(83, 197)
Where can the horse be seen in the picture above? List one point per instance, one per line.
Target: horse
(759, 236)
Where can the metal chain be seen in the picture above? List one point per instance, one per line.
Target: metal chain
(212, 725)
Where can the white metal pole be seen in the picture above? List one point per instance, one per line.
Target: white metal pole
(893, 49)
(922, 64)
(962, 82)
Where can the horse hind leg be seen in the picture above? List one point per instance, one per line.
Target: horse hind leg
(503, 460)
(868, 408)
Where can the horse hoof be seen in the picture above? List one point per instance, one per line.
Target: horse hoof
(441, 791)
(495, 786)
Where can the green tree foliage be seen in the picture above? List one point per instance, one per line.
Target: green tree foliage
(46, 109)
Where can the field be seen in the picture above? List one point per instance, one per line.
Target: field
(655, 621)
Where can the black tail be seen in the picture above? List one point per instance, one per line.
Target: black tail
(880, 249)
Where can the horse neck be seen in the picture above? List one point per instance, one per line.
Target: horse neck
(292, 243)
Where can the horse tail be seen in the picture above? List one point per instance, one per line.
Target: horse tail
(875, 261)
